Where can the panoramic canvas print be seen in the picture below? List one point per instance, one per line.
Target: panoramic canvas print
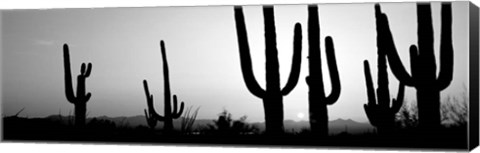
(386, 75)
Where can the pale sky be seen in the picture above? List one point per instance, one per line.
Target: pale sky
(202, 51)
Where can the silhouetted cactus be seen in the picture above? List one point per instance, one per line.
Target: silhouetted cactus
(169, 114)
(378, 109)
(79, 101)
(317, 100)
(151, 121)
(423, 67)
(272, 95)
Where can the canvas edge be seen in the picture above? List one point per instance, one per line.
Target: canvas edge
(473, 126)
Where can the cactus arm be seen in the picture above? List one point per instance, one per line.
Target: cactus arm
(446, 49)
(176, 114)
(370, 111)
(386, 43)
(175, 102)
(147, 117)
(89, 70)
(332, 67)
(147, 92)
(369, 83)
(398, 102)
(150, 120)
(146, 114)
(148, 95)
(414, 60)
(82, 69)
(154, 113)
(371, 104)
(180, 111)
(296, 61)
(87, 97)
(68, 75)
(150, 106)
(245, 59)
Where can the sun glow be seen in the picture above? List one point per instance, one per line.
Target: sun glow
(300, 115)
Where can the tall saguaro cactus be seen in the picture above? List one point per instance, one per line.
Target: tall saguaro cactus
(272, 95)
(378, 109)
(317, 100)
(422, 60)
(151, 114)
(81, 99)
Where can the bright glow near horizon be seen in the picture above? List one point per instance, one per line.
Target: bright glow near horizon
(300, 115)
(202, 51)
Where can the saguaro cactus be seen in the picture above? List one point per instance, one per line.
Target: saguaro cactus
(272, 95)
(79, 101)
(169, 114)
(151, 121)
(378, 109)
(317, 100)
(422, 60)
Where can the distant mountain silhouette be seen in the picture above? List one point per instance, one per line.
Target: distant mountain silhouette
(335, 126)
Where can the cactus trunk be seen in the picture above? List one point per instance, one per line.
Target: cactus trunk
(168, 123)
(272, 95)
(273, 100)
(318, 114)
(428, 107)
(80, 114)
(317, 99)
(273, 114)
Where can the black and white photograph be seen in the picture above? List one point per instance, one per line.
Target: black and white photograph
(388, 75)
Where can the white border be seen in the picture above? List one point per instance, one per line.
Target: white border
(83, 148)
(46, 4)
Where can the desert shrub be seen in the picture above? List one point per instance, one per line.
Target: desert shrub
(225, 125)
(407, 117)
(453, 112)
(188, 120)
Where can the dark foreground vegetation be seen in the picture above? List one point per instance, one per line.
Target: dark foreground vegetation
(227, 131)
